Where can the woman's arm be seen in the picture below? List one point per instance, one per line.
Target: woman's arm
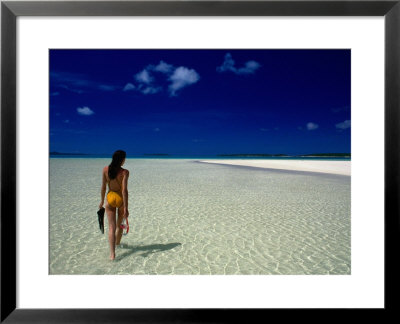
(103, 188)
(125, 192)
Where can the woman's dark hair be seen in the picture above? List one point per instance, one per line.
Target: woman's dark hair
(117, 159)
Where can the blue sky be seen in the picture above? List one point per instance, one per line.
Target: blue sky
(200, 101)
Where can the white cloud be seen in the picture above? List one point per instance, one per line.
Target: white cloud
(229, 66)
(249, 68)
(68, 88)
(77, 83)
(85, 111)
(344, 125)
(144, 77)
(128, 87)
(149, 90)
(162, 67)
(312, 126)
(151, 83)
(182, 77)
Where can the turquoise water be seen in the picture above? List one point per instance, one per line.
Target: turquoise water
(199, 157)
(198, 218)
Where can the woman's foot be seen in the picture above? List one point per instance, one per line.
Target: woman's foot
(112, 256)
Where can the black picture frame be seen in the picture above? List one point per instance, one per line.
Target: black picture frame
(10, 10)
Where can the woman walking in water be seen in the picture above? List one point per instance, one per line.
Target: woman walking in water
(117, 197)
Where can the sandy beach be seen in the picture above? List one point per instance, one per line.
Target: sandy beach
(203, 219)
(330, 167)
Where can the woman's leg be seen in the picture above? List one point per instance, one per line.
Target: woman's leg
(111, 211)
(118, 231)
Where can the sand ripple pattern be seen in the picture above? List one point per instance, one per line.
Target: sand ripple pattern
(195, 218)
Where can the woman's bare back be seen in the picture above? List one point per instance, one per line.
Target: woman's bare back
(116, 183)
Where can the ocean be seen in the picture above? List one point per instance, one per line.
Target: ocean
(196, 218)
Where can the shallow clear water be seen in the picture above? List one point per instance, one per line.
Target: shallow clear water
(197, 218)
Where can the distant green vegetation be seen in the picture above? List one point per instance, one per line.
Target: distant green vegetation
(156, 154)
(286, 155)
(58, 153)
(250, 155)
(328, 155)
(254, 155)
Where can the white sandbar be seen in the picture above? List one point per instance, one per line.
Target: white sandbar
(331, 167)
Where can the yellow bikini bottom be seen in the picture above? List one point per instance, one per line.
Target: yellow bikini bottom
(114, 199)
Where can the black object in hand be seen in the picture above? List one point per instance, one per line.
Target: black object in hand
(100, 215)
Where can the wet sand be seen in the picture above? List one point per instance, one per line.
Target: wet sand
(202, 219)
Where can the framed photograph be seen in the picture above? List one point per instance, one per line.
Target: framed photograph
(181, 160)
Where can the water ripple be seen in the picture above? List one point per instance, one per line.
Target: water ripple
(192, 218)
